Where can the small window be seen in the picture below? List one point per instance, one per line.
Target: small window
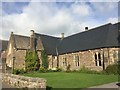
(115, 55)
(52, 63)
(95, 59)
(99, 59)
(64, 62)
(77, 60)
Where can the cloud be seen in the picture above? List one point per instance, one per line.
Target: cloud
(105, 9)
(81, 9)
(103, 0)
(112, 20)
(53, 18)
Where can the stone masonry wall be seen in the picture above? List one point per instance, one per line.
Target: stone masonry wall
(87, 59)
(20, 59)
(52, 61)
(24, 82)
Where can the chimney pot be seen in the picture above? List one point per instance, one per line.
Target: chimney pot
(11, 32)
(31, 32)
(86, 28)
(62, 35)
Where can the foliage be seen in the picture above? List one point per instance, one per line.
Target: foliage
(43, 70)
(44, 59)
(58, 70)
(113, 69)
(86, 70)
(31, 61)
(68, 68)
(19, 71)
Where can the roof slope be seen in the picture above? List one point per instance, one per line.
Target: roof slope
(21, 42)
(103, 36)
(3, 45)
(49, 43)
(113, 36)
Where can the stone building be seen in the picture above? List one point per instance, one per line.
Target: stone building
(95, 48)
(3, 48)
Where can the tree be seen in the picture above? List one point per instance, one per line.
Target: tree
(44, 59)
(31, 61)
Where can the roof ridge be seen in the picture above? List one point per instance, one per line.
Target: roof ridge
(21, 35)
(48, 35)
(89, 30)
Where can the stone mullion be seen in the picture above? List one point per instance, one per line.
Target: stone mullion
(97, 59)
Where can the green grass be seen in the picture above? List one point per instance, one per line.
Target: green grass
(74, 80)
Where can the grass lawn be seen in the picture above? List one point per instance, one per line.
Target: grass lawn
(74, 80)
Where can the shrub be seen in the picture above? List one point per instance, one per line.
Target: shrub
(43, 70)
(68, 68)
(86, 70)
(19, 71)
(113, 69)
(59, 70)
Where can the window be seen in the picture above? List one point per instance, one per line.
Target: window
(77, 60)
(95, 59)
(64, 61)
(52, 63)
(98, 59)
(115, 55)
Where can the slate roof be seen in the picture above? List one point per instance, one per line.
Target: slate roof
(49, 43)
(21, 42)
(113, 36)
(100, 37)
(3, 45)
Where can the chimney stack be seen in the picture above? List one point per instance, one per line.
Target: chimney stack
(11, 32)
(31, 32)
(32, 40)
(62, 36)
(86, 28)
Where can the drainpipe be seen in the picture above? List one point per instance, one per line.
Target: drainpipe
(57, 58)
(13, 60)
(108, 56)
(103, 61)
(13, 64)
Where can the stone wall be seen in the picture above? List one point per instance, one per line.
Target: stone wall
(9, 56)
(52, 60)
(79, 59)
(24, 82)
(19, 61)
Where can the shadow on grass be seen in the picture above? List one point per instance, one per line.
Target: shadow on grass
(118, 84)
(51, 88)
